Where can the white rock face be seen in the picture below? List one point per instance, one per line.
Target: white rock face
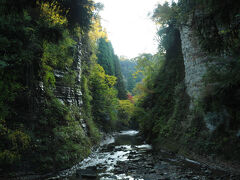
(195, 60)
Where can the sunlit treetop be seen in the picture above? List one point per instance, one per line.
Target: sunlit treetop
(96, 32)
(53, 13)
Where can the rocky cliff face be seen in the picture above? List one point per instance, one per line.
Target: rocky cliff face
(207, 117)
(195, 60)
(67, 94)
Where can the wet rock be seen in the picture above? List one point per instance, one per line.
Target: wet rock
(132, 167)
(86, 173)
(130, 156)
(137, 159)
(110, 158)
(113, 177)
(207, 171)
(101, 168)
(162, 178)
(121, 148)
(152, 171)
(114, 161)
(133, 153)
(119, 171)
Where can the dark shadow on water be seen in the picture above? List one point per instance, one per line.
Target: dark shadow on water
(128, 140)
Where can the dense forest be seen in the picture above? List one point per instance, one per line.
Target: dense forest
(131, 75)
(191, 104)
(62, 87)
(110, 62)
(57, 95)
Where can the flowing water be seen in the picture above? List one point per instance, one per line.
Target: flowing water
(125, 156)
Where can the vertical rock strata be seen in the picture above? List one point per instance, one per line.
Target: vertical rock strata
(195, 60)
(71, 95)
(68, 94)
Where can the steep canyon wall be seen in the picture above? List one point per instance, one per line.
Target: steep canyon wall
(195, 61)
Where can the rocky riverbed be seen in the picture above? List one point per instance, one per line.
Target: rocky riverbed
(125, 156)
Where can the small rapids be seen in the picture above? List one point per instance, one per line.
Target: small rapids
(125, 156)
(113, 149)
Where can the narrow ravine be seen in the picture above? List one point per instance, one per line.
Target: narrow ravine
(125, 156)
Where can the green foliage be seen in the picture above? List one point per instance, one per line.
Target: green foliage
(212, 126)
(125, 111)
(80, 12)
(165, 14)
(130, 77)
(120, 86)
(216, 23)
(148, 65)
(19, 48)
(105, 56)
(13, 144)
(63, 142)
(58, 57)
(217, 111)
(221, 93)
(52, 13)
(38, 49)
(160, 104)
(104, 107)
(173, 126)
(94, 133)
(110, 62)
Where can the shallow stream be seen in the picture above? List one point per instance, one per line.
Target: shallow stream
(125, 156)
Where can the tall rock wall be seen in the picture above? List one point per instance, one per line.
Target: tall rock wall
(70, 94)
(195, 60)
